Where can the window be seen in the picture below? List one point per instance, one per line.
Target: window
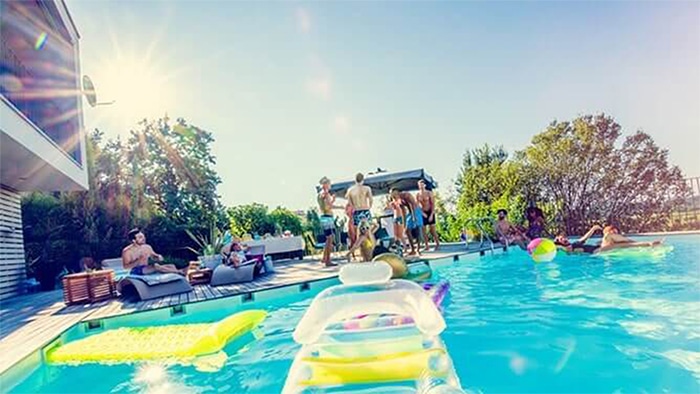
(37, 70)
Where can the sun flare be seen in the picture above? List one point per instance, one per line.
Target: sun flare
(138, 88)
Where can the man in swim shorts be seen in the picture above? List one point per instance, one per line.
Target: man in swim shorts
(359, 197)
(427, 202)
(414, 219)
(136, 255)
(507, 233)
(325, 201)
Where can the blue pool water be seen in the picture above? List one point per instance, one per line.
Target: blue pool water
(579, 324)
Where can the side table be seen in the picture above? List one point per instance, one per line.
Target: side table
(196, 275)
(88, 287)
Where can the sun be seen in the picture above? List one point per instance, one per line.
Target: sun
(139, 88)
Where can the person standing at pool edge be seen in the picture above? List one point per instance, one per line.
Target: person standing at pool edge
(359, 197)
(427, 202)
(325, 201)
(414, 220)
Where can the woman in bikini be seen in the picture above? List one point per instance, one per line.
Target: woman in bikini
(365, 240)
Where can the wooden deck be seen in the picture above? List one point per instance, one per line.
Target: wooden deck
(29, 322)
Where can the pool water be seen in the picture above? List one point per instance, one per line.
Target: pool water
(583, 324)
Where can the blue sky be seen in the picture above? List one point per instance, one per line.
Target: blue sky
(295, 91)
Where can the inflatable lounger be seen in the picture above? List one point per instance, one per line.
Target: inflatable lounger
(381, 358)
(655, 251)
(180, 344)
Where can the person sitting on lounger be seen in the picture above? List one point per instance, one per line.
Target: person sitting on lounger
(140, 258)
(507, 233)
(234, 254)
(365, 240)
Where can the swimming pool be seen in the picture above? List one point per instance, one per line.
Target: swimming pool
(578, 324)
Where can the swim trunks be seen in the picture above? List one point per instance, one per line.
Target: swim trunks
(415, 222)
(582, 247)
(426, 218)
(328, 225)
(398, 219)
(360, 215)
(138, 270)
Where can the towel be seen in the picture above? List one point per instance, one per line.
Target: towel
(156, 279)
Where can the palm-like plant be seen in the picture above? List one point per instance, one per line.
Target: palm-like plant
(208, 245)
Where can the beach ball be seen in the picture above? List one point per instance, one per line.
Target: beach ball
(542, 250)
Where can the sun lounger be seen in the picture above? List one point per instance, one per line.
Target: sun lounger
(146, 286)
(226, 275)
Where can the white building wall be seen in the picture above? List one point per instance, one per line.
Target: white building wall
(12, 264)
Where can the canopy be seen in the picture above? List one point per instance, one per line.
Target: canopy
(383, 181)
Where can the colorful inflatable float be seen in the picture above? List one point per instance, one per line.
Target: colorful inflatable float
(399, 351)
(198, 344)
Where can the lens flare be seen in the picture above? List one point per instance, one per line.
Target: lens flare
(40, 41)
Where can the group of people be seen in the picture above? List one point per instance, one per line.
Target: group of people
(508, 234)
(140, 258)
(412, 216)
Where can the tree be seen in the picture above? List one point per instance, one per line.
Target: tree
(488, 181)
(173, 168)
(250, 219)
(581, 170)
(285, 219)
(161, 180)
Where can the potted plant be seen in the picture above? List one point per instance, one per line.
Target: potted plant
(209, 246)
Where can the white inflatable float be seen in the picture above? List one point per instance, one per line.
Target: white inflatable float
(404, 356)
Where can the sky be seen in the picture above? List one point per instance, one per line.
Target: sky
(295, 91)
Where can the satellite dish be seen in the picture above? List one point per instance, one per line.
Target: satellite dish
(91, 94)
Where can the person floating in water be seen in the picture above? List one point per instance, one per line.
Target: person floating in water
(578, 246)
(612, 239)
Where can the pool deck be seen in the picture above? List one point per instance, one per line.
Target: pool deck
(29, 322)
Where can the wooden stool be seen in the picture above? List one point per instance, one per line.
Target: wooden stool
(199, 276)
(88, 287)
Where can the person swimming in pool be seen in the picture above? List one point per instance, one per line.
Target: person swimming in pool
(136, 256)
(365, 240)
(580, 245)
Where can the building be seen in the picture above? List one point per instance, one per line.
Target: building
(42, 140)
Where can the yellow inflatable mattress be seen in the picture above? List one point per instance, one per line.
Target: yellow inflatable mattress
(134, 344)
